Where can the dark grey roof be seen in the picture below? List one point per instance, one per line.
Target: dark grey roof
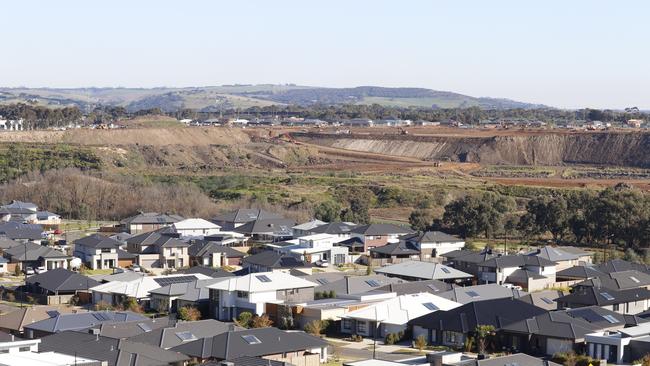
(618, 280)
(333, 228)
(554, 254)
(618, 265)
(152, 218)
(115, 352)
(544, 299)
(432, 237)
(250, 361)
(518, 359)
(569, 324)
(232, 344)
(579, 272)
(381, 229)
(61, 279)
(6, 243)
(98, 241)
(587, 296)
(212, 272)
(168, 337)
(201, 248)
(244, 215)
(510, 261)
(271, 259)
(422, 270)
(129, 329)
(465, 318)
(189, 291)
(469, 256)
(523, 275)
(343, 284)
(123, 254)
(415, 287)
(267, 226)
(15, 230)
(155, 239)
(34, 252)
(63, 322)
(469, 294)
(398, 248)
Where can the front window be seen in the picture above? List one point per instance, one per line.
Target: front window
(347, 324)
(242, 294)
(361, 327)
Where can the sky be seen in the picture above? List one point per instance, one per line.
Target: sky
(568, 54)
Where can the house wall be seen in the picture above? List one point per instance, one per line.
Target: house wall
(554, 345)
(435, 250)
(296, 295)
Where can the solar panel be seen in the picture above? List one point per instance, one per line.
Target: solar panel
(263, 278)
(101, 316)
(446, 270)
(251, 339)
(372, 283)
(607, 296)
(323, 281)
(186, 336)
(547, 300)
(472, 294)
(430, 306)
(610, 318)
(165, 281)
(145, 327)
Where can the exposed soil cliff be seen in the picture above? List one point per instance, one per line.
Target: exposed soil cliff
(606, 148)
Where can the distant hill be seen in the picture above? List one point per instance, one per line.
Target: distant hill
(245, 96)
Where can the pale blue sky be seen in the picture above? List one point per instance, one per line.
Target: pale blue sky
(566, 53)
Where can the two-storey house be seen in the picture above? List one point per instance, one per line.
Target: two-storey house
(97, 251)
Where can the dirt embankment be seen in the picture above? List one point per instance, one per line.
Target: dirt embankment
(193, 136)
(614, 149)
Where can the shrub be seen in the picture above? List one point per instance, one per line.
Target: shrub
(316, 327)
(420, 342)
(103, 306)
(261, 321)
(244, 319)
(189, 313)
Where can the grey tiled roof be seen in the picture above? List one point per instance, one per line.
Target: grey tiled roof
(346, 285)
(587, 296)
(469, 294)
(167, 337)
(271, 259)
(152, 218)
(34, 252)
(156, 239)
(381, 229)
(61, 279)
(201, 248)
(97, 241)
(63, 322)
(243, 215)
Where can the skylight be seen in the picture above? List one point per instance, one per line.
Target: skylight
(433, 288)
(446, 270)
(634, 279)
(547, 300)
(607, 296)
(263, 278)
(145, 327)
(186, 336)
(251, 339)
(610, 318)
(430, 306)
(472, 294)
(372, 283)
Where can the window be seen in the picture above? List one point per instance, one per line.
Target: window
(472, 294)
(446, 270)
(616, 307)
(242, 294)
(145, 327)
(372, 283)
(106, 250)
(610, 318)
(186, 336)
(430, 306)
(4, 351)
(323, 281)
(263, 278)
(347, 324)
(24, 349)
(361, 327)
(251, 339)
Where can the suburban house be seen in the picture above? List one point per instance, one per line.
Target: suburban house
(174, 296)
(393, 253)
(47, 218)
(35, 255)
(267, 230)
(110, 351)
(59, 285)
(404, 287)
(148, 221)
(271, 344)
(252, 293)
(418, 271)
(620, 347)
(213, 254)
(207, 271)
(530, 272)
(305, 228)
(20, 352)
(564, 257)
(465, 295)
(617, 280)
(78, 321)
(458, 359)
(468, 260)
(376, 235)
(195, 228)
(452, 327)
(340, 229)
(17, 215)
(314, 248)
(3, 265)
(392, 315)
(156, 250)
(546, 299)
(619, 265)
(576, 273)
(341, 284)
(116, 291)
(22, 233)
(97, 251)
(631, 301)
(563, 330)
(434, 244)
(234, 219)
(14, 321)
(183, 332)
(271, 261)
(332, 309)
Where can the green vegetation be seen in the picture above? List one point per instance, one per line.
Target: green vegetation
(17, 159)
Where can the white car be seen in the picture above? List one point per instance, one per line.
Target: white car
(28, 271)
(322, 263)
(40, 270)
